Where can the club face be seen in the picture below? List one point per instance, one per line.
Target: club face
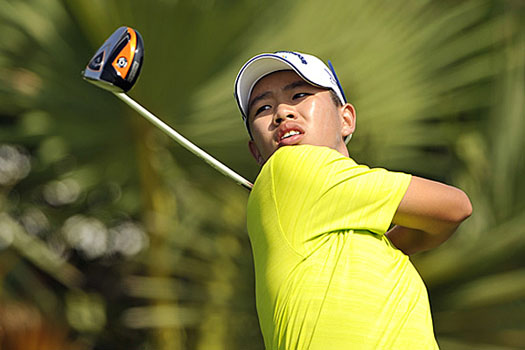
(116, 64)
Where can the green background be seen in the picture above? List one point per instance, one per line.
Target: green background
(114, 237)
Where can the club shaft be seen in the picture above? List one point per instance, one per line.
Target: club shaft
(183, 141)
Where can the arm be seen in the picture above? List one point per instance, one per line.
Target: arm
(429, 213)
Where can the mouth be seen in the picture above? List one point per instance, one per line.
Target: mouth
(290, 136)
(290, 133)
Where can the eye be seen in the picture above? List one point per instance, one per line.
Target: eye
(262, 109)
(300, 95)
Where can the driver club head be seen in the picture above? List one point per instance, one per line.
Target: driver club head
(116, 67)
(116, 64)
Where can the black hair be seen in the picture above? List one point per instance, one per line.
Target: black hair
(335, 98)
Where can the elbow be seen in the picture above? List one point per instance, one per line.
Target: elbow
(463, 210)
(468, 209)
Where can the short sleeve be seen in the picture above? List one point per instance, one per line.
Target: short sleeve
(317, 190)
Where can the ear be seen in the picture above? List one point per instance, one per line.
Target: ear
(349, 119)
(255, 152)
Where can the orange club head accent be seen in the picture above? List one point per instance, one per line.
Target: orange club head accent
(123, 61)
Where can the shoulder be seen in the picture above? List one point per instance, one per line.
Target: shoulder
(303, 163)
(305, 167)
(293, 169)
(297, 165)
(305, 157)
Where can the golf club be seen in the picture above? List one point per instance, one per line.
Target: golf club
(116, 66)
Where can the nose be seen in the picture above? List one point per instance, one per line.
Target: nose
(283, 112)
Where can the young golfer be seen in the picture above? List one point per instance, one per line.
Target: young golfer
(329, 272)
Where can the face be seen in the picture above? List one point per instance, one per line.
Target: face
(286, 110)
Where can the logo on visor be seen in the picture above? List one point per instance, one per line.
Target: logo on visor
(331, 77)
(301, 57)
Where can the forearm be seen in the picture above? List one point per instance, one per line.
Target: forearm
(429, 213)
(411, 241)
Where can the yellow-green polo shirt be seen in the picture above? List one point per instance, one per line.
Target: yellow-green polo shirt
(326, 276)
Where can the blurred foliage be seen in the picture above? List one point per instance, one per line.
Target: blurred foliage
(111, 236)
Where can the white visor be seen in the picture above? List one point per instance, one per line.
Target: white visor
(308, 67)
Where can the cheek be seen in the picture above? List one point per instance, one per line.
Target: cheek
(262, 136)
(324, 117)
(259, 129)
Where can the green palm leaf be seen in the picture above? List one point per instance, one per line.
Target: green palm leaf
(438, 89)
